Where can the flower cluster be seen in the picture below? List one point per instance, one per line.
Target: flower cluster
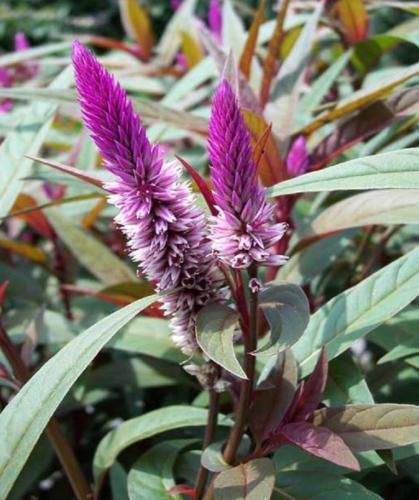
(166, 233)
(242, 233)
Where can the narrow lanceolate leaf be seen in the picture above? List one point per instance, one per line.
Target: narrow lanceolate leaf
(215, 327)
(270, 404)
(360, 99)
(25, 139)
(271, 168)
(93, 254)
(25, 417)
(321, 442)
(143, 427)
(250, 45)
(354, 19)
(359, 310)
(372, 427)
(137, 24)
(191, 50)
(253, 480)
(387, 206)
(393, 170)
(287, 311)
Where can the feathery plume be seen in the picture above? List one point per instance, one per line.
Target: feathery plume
(166, 233)
(241, 233)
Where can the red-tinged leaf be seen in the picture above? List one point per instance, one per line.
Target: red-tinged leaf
(321, 442)
(75, 172)
(367, 122)
(313, 389)
(137, 24)
(259, 149)
(270, 405)
(271, 167)
(104, 42)
(202, 185)
(36, 219)
(353, 17)
(3, 290)
(183, 489)
(250, 45)
(270, 64)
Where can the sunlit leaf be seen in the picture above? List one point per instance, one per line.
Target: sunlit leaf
(137, 24)
(250, 45)
(191, 49)
(354, 19)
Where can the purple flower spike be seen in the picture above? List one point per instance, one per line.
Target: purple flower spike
(241, 232)
(298, 160)
(21, 42)
(167, 235)
(215, 20)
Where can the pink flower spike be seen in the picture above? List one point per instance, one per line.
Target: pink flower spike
(215, 20)
(21, 42)
(242, 232)
(166, 232)
(298, 160)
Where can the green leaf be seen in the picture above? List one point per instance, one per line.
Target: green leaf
(287, 311)
(151, 477)
(372, 427)
(26, 139)
(118, 480)
(32, 53)
(215, 327)
(359, 310)
(94, 255)
(374, 207)
(345, 383)
(253, 480)
(143, 427)
(26, 416)
(212, 458)
(396, 169)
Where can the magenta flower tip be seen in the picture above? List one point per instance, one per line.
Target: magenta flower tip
(242, 232)
(166, 233)
(21, 42)
(298, 160)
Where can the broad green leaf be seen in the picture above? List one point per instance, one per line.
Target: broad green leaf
(359, 310)
(345, 383)
(374, 207)
(287, 311)
(143, 427)
(91, 253)
(397, 169)
(151, 477)
(215, 328)
(253, 480)
(26, 139)
(26, 416)
(410, 347)
(372, 427)
(118, 480)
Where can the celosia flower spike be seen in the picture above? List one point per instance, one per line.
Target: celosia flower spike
(298, 160)
(166, 233)
(242, 232)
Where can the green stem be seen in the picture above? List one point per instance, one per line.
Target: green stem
(62, 448)
(246, 389)
(202, 476)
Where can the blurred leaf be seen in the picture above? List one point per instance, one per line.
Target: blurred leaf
(253, 480)
(191, 49)
(368, 121)
(147, 425)
(215, 328)
(233, 32)
(359, 310)
(33, 53)
(250, 45)
(271, 168)
(91, 253)
(409, 347)
(361, 98)
(354, 18)
(137, 24)
(287, 311)
(118, 480)
(30, 252)
(396, 169)
(151, 476)
(391, 206)
(270, 63)
(372, 427)
(25, 139)
(270, 404)
(212, 458)
(321, 442)
(36, 220)
(25, 417)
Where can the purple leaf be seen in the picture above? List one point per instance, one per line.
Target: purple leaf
(319, 441)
